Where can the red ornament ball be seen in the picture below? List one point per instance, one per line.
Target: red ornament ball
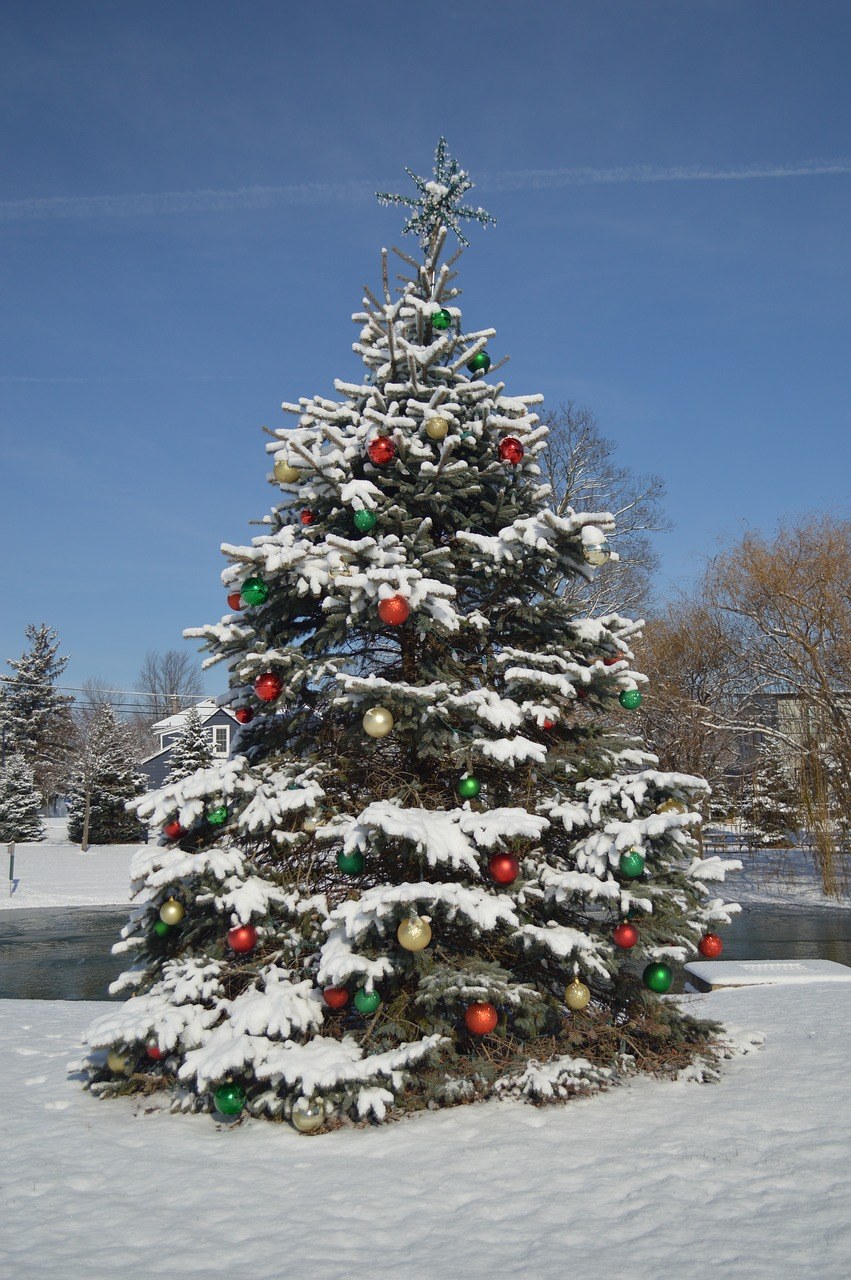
(153, 1050)
(244, 714)
(611, 658)
(710, 945)
(395, 610)
(480, 1018)
(549, 724)
(335, 997)
(172, 830)
(511, 450)
(234, 600)
(381, 450)
(307, 516)
(268, 687)
(503, 868)
(242, 938)
(626, 935)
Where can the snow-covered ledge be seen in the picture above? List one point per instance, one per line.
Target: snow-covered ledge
(710, 975)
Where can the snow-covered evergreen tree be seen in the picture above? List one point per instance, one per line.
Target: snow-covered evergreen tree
(20, 803)
(36, 715)
(192, 748)
(772, 798)
(431, 872)
(105, 778)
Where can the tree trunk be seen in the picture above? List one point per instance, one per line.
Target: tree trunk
(84, 843)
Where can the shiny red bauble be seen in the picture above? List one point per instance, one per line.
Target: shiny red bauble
(480, 1018)
(612, 658)
(395, 610)
(244, 714)
(242, 938)
(549, 724)
(710, 945)
(153, 1050)
(335, 997)
(268, 687)
(381, 450)
(307, 516)
(511, 450)
(626, 935)
(503, 868)
(234, 600)
(172, 831)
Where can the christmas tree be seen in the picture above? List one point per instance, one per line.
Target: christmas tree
(436, 867)
(192, 749)
(20, 810)
(104, 780)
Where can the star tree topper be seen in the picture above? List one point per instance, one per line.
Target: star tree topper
(439, 202)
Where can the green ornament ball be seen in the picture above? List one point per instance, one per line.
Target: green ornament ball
(630, 699)
(469, 787)
(658, 977)
(217, 816)
(468, 435)
(254, 591)
(367, 1001)
(229, 1099)
(441, 319)
(160, 928)
(631, 864)
(351, 864)
(365, 520)
(480, 362)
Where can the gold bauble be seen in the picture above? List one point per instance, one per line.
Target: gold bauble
(284, 473)
(597, 553)
(116, 1062)
(377, 722)
(172, 912)
(436, 428)
(576, 995)
(414, 935)
(671, 806)
(308, 1114)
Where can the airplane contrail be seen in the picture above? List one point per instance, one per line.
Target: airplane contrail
(210, 200)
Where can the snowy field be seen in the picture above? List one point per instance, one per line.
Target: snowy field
(782, 877)
(54, 873)
(748, 1179)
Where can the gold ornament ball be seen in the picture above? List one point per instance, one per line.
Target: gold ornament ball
(286, 474)
(597, 553)
(414, 935)
(308, 1115)
(576, 995)
(116, 1062)
(436, 428)
(172, 912)
(377, 722)
(671, 806)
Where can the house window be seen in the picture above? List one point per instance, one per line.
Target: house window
(221, 739)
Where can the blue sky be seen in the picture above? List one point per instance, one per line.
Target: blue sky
(186, 228)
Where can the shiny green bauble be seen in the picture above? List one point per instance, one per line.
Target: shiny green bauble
(308, 1115)
(630, 699)
(658, 977)
(631, 864)
(441, 319)
(469, 787)
(351, 864)
(365, 520)
(160, 928)
(367, 1001)
(229, 1099)
(218, 815)
(254, 591)
(480, 362)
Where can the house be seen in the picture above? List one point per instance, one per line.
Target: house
(219, 722)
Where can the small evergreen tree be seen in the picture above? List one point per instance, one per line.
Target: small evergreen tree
(20, 818)
(105, 778)
(773, 804)
(36, 716)
(192, 749)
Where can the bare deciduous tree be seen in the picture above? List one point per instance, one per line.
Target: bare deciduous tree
(169, 681)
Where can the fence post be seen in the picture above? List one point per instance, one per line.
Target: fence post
(11, 849)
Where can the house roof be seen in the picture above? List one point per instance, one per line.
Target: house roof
(206, 709)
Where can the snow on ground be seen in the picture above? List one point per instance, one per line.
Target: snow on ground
(54, 873)
(782, 877)
(748, 1179)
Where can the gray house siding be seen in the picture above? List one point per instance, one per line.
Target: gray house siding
(157, 766)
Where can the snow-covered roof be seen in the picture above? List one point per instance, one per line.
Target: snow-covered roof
(206, 708)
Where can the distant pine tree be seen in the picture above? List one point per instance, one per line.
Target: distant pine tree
(192, 749)
(36, 716)
(106, 777)
(20, 803)
(772, 808)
